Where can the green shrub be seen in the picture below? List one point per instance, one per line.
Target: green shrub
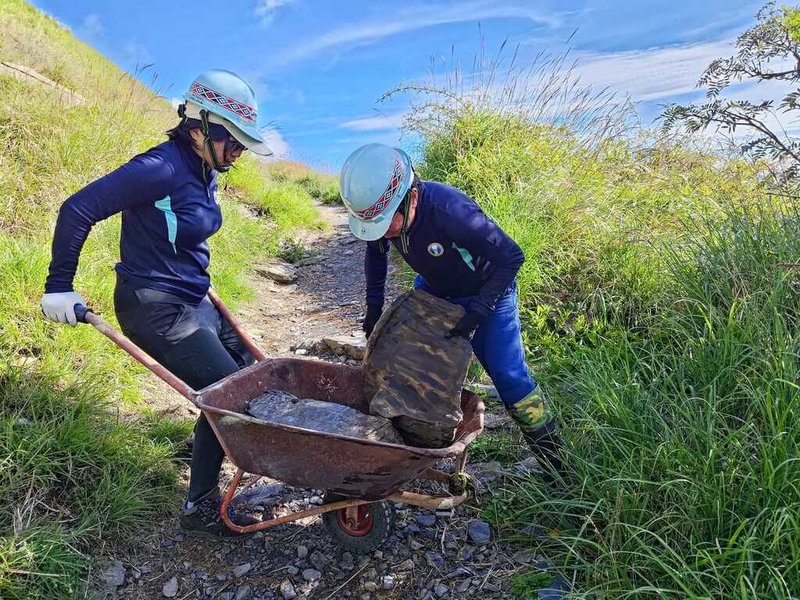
(664, 328)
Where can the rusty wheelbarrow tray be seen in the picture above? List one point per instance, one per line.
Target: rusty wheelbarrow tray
(354, 472)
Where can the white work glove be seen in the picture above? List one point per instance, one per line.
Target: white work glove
(60, 307)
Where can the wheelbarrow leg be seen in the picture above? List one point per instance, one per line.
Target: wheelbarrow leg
(461, 463)
(230, 493)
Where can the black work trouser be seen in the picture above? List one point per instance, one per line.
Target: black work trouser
(193, 342)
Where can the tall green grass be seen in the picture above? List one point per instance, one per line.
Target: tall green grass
(285, 203)
(318, 185)
(684, 440)
(74, 475)
(72, 478)
(660, 298)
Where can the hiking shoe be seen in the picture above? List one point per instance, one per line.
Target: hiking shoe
(201, 518)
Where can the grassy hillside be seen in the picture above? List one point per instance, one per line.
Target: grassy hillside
(660, 309)
(72, 475)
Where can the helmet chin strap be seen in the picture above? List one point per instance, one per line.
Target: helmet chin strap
(404, 228)
(207, 142)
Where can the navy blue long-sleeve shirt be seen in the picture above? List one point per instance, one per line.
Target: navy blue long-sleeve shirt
(168, 213)
(454, 246)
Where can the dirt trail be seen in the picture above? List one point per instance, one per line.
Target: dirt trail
(328, 298)
(429, 556)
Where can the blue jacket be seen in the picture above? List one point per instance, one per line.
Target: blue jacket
(455, 248)
(168, 213)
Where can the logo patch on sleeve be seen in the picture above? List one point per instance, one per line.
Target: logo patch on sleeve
(435, 249)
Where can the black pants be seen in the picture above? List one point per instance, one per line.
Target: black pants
(197, 345)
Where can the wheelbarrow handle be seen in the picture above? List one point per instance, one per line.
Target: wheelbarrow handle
(228, 316)
(87, 315)
(81, 312)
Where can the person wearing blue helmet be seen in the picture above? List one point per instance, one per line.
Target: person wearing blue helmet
(168, 200)
(459, 254)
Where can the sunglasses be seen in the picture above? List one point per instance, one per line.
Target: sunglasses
(232, 144)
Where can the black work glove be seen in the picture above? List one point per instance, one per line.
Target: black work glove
(466, 326)
(373, 314)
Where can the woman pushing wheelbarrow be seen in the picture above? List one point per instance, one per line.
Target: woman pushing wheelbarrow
(168, 200)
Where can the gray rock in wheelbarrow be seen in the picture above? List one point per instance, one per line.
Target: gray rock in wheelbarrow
(277, 406)
(413, 374)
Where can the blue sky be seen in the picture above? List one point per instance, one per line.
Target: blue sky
(320, 67)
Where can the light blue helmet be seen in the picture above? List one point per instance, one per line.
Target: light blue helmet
(373, 182)
(229, 101)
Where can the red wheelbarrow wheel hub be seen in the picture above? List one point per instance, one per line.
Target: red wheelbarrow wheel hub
(356, 520)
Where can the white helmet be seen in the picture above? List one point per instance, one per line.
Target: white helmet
(373, 182)
(227, 100)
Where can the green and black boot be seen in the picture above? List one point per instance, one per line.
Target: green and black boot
(201, 518)
(540, 432)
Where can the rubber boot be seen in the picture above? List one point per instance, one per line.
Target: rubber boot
(547, 447)
(540, 432)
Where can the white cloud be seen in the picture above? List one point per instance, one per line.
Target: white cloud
(137, 54)
(652, 74)
(266, 10)
(411, 18)
(664, 74)
(92, 26)
(279, 146)
(377, 123)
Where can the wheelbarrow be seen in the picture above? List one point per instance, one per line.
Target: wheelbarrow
(361, 478)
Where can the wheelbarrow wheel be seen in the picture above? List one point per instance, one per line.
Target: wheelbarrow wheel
(362, 528)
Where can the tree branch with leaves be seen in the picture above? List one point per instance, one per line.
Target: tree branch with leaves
(768, 51)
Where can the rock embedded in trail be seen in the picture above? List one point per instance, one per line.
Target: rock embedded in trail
(426, 519)
(346, 562)
(280, 272)
(494, 420)
(113, 576)
(407, 565)
(319, 561)
(311, 575)
(435, 560)
(347, 345)
(479, 532)
(241, 570)
(466, 553)
(170, 588)
(287, 590)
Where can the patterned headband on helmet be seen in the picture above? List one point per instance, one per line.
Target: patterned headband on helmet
(398, 175)
(201, 92)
